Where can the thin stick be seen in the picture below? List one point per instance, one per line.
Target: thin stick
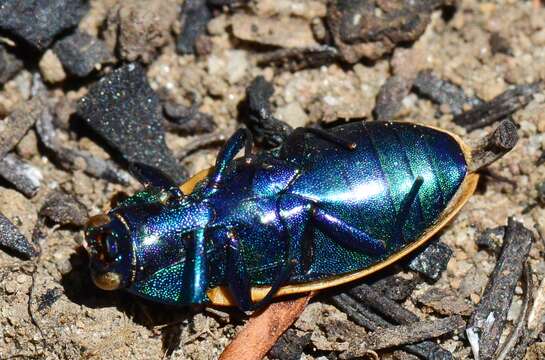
(260, 333)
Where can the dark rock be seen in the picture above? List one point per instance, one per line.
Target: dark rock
(290, 346)
(443, 92)
(195, 16)
(9, 65)
(499, 44)
(39, 21)
(124, 110)
(64, 209)
(80, 53)
(390, 97)
(380, 25)
(25, 177)
(258, 116)
(432, 261)
(12, 240)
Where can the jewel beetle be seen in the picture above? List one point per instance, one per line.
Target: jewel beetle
(325, 208)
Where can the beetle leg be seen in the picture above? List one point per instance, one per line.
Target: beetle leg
(407, 203)
(196, 269)
(349, 145)
(241, 138)
(345, 234)
(151, 176)
(237, 277)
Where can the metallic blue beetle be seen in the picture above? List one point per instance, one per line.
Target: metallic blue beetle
(323, 209)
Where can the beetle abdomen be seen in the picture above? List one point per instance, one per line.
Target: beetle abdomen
(366, 187)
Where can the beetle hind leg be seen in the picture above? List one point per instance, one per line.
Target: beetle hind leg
(346, 234)
(407, 204)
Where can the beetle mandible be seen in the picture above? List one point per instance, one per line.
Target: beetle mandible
(326, 208)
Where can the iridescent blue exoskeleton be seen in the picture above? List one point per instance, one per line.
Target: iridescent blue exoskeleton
(321, 209)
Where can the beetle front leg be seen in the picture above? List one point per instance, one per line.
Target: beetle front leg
(242, 138)
(196, 269)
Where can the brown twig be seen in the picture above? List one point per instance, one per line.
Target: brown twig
(261, 332)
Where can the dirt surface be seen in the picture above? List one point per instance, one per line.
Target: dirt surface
(72, 319)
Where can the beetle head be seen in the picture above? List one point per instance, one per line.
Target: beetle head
(108, 245)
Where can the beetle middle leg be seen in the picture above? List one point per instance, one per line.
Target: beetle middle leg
(237, 276)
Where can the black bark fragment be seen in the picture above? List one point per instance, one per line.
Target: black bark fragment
(290, 346)
(488, 320)
(498, 108)
(493, 146)
(25, 177)
(194, 18)
(64, 209)
(124, 110)
(296, 59)
(13, 241)
(443, 92)
(396, 287)
(9, 65)
(187, 120)
(257, 114)
(39, 21)
(432, 261)
(81, 53)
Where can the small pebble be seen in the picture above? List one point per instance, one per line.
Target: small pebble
(81, 53)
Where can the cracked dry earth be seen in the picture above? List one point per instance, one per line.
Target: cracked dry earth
(71, 319)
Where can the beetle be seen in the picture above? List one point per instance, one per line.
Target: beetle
(324, 209)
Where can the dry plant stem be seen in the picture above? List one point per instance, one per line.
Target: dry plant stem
(498, 108)
(520, 329)
(494, 145)
(488, 320)
(260, 333)
(362, 316)
(199, 143)
(395, 336)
